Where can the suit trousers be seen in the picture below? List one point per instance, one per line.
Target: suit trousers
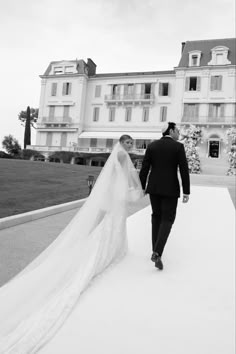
(163, 217)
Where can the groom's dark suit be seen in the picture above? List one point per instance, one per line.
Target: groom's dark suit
(164, 157)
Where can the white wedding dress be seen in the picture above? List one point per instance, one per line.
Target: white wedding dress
(35, 303)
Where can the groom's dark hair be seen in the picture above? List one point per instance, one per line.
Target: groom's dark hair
(171, 125)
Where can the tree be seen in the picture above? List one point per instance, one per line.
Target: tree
(27, 137)
(231, 134)
(28, 118)
(11, 145)
(192, 136)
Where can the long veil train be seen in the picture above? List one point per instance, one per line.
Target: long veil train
(35, 303)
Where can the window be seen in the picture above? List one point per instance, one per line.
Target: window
(163, 88)
(219, 56)
(219, 59)
(58, 70)
(49, 139)
(216, 83)
(115, 90)
(163, 113)
(51, 113)
(54, 89)
(109, 143)
(63, 139)
(93, 142)
(194, 58)
(142, 144)
(98, 91)
(147, 90)
(66, 110)
(69, 69)
(112, 112)
(216, 110)
(145, 114)
(66, 90)
(129, 90)
(191, 110)
(128, 112)
(95, 114)
(192, 83)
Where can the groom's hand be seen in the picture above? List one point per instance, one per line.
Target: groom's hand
(185, 198)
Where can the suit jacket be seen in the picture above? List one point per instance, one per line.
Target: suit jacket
(163, 158)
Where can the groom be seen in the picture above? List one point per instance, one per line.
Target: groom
(163, 158)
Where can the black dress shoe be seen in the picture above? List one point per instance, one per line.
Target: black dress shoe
(158, 263)
(154, 257)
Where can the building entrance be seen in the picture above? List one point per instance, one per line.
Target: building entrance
(214, 148)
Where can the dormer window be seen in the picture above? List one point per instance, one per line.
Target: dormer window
(58, 70)
(219, 56)
(194, 58)
(69, 69)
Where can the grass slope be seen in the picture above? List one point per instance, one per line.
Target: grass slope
(27, 185)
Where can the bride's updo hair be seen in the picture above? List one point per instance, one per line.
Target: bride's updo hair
(125, 137)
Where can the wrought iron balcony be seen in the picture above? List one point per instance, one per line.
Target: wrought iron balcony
(207, 120)
(133, 98)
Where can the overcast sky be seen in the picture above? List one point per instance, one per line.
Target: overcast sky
(118, 35)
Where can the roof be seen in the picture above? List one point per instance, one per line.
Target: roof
(205, 47)
(139, 73)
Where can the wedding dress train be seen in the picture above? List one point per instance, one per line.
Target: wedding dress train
(35, 303)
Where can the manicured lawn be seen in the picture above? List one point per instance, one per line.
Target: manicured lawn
(27, 185)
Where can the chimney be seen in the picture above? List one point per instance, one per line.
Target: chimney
(182, 47)
(91, 67)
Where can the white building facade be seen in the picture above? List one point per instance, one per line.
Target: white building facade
(83, 111)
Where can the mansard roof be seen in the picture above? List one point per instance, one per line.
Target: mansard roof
(205, 46)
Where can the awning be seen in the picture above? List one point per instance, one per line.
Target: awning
(116, 135)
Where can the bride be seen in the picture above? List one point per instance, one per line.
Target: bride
(35, 303)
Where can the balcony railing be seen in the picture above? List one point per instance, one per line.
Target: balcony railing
(209, 120)
(130, 97)
(51, 120)
(78, 149)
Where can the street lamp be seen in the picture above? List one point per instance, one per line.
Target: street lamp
(90, 181)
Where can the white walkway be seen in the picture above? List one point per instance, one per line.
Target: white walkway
(188, 308)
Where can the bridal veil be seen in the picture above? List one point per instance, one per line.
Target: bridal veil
(36, 302)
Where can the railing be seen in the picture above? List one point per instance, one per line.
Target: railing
(52, 120)
(78, 149)
(130, 97)
(209, 120)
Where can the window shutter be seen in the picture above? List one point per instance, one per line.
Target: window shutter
(63, 139)
(69, 89)
(160, 89)
(93, 142)
(51, 112)
(210, 110)
(109, 143)
(142, 89)
(220, 83)
(95, 114)
(222, 110)
(213, 83)
(198, 83)
(66, 113)
(187, 82)
(135, 89)
(145, 114)
(196, 110)
(64, 88)
(152, 88)
(168, 89)
(54, 89)
(185, 110)
(97, 90)
(49, 139)
(118, 89)
(125, 90)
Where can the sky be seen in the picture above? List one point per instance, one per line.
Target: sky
(118, 35)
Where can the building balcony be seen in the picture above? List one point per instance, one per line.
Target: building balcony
(75, 148)
(130, 98)
(57, 123)
(206, 120)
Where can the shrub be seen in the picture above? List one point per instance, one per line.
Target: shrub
(4, 155)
